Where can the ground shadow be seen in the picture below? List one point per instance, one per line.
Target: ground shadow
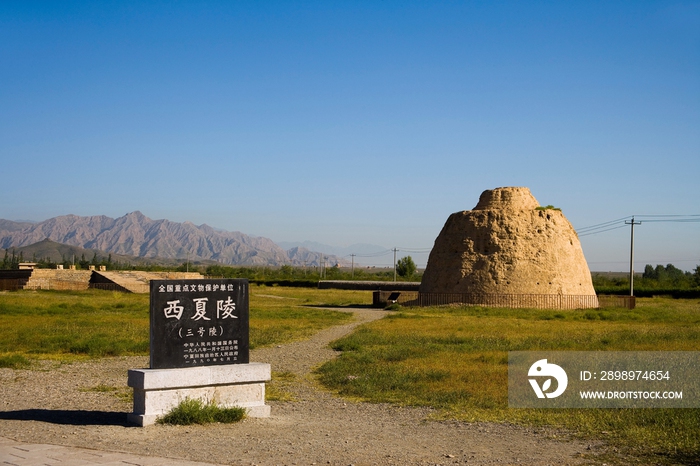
(68, 417)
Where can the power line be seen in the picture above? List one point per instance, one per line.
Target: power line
(374, 254)
(668, 215)
(602, 231)
(681, 220)
(601, 225)
(614, 224)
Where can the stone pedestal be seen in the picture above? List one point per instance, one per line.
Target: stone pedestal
(157, 391)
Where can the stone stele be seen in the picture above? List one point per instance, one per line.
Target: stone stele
(505, 245)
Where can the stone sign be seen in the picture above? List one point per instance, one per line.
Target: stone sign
(199, 323)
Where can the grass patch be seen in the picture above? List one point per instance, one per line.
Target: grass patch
(70, 325)
(456, 359)
(74, 325)
(278, 388)
(124, 394)
(14, 361)
(193, 411)
(281, 315)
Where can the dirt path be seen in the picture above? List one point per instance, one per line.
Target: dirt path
(60, 405)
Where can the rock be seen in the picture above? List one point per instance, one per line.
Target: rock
(508, 245)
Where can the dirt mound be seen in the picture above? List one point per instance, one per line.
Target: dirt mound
(508, 245)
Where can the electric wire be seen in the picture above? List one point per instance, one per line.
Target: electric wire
(646, 218)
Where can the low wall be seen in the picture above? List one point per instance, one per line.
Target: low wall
(368, 285)
(66, 279)
(55, 279)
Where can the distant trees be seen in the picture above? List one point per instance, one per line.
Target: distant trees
(305, 274)
(11, 262)
(405, 267)
(669, 275)
(655, 278)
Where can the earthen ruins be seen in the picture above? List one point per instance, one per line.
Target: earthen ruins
(508, 244)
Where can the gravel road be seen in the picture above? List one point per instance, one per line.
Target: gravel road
(63, 405)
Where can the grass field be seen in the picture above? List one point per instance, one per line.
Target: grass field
(69, 325)
(455, 359)
(451, 358)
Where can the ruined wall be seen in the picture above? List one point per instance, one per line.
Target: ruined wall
(53, 279)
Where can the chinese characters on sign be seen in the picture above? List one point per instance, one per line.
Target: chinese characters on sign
(199, 322)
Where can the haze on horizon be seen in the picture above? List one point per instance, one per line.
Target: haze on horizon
(357, 122)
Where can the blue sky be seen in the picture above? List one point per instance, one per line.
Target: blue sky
(356, 122)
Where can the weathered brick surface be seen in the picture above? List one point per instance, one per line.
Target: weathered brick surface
(505, 245)
(52, 279)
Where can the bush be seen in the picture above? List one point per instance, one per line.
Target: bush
(548, 207)
(193, 411)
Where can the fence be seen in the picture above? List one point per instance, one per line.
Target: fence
(628, 302)
(368, 285)
(536, 301)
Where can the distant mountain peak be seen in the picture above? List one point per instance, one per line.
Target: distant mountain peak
(134, 234)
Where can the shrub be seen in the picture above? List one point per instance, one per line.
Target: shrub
(193, 411)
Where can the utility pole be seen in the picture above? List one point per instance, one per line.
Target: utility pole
(395, 263)
(632, 224)
(352, 269)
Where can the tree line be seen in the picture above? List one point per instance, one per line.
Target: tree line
(655, 280)
(405, 270)
(11, 261)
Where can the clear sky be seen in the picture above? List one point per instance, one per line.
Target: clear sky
(356, 122)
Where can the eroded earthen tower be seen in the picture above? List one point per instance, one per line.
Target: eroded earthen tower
(507, 245)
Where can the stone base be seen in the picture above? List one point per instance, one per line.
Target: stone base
(157, 391)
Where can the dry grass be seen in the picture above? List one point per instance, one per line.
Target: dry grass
(455, 359)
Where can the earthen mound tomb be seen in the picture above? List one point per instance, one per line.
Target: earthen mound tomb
(508, 244)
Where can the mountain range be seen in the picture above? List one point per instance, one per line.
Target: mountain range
(360, 249)
(134, 234)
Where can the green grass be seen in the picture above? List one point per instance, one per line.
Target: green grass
(71, 325)
(193, 411)
(455, 359)
(15, 361)
(282, 315)
(277, 389)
